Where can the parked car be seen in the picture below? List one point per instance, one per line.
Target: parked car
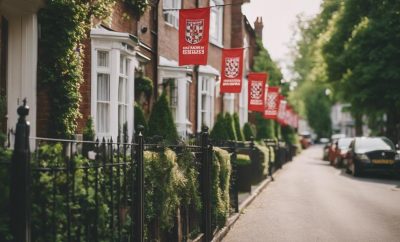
(305, 140)
(332, 146)
(340, 151)
(372, 154)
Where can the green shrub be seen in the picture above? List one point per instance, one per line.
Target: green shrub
(88, 135)
(161, 121)
(190, 192)
(219, 131)
(265, 127)
(140, 119)
(248, 131)
(163, 181)
(238, 131)
(243, 160)
(5, 233)
(143, 84)
(221, 173)
(230, 128)
(263, 153)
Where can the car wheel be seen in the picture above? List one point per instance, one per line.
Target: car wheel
(336, 162)
(357, 172)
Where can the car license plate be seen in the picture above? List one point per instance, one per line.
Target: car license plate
(386, 162)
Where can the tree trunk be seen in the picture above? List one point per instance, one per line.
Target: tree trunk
(393, 125)
(358, 124)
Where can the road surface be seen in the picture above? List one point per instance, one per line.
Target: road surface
(312, 201)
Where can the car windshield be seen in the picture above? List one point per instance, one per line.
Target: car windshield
(364, 145)
(344, 143)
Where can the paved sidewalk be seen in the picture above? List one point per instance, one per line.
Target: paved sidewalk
(312, 201)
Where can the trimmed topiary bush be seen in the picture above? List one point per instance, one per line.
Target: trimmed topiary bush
(221, 173)
(238, 131)
(140, 119)
(243, 160)
(248, 131)
(265, 128)
(161, 121)
(219, 131)
(230, 129)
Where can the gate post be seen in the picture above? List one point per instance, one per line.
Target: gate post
(206, 156)
(20, 180)
(139, 220)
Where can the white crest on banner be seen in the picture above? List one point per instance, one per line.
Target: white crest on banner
(194, 30)
(232, 67)
(256, 90)
(271, 100)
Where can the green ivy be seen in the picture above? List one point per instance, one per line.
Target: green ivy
(143, 84)
(138, 6)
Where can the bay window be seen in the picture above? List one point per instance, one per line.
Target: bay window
(112, 94)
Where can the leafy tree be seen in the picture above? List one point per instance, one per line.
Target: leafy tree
(161, 121)
(362, 56)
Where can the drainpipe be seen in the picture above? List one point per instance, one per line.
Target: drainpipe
(197, 76)
(154, 32)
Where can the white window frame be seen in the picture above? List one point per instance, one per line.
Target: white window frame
(206, 91)
(182, 80)
(216, 37)
(172, 17)
(229, 102)
(243, 103)
(118, 45)
(103, 70)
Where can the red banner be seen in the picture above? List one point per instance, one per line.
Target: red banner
(256, 91)
(271, 103)
(193, 36)
(232, 69)
(281, 110)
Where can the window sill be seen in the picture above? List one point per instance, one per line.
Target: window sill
(215, 43)
(170, 25)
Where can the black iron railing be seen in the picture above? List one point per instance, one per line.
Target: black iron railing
(69, 190)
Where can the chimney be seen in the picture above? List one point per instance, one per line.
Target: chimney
(258, 27)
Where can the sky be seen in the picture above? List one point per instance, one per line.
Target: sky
(279, 18)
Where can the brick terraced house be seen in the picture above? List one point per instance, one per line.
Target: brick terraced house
(118, 51)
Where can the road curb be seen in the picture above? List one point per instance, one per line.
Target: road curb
(232, 219)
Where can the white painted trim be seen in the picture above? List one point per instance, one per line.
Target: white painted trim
(21, 68)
